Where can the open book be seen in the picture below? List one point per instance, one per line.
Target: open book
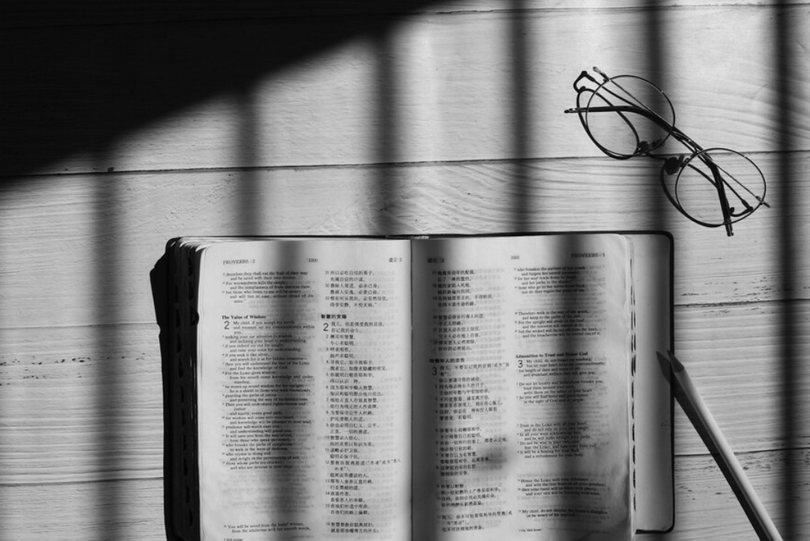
(428, 388)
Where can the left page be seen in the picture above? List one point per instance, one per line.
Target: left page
(303, 388)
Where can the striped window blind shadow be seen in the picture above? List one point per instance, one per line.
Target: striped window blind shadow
(787, 60)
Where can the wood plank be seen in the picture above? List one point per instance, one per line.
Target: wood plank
(706, 508)
(80, 404)
(88, 242)
(22, 13)
(128, 510)
(132, 509)
(424, 87)
(84, 403)
(759, 393)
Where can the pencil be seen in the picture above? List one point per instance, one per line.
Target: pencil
(705, 423)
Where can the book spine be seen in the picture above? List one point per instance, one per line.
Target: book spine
(182, 475)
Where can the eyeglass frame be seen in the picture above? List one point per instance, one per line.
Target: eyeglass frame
(672, 163)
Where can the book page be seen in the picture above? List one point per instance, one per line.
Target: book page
(652, 279)
(522, 380)
(304, 390)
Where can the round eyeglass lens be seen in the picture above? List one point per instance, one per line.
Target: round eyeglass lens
(627, 116)
(692, 187)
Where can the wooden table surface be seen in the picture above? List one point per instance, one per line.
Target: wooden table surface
(122, 127)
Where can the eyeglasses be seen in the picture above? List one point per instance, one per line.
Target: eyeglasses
(627, 116)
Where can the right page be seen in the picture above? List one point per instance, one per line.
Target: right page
(522, 383)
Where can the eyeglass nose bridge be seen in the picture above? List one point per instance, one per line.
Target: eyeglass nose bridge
(578, 88)
(674, 164)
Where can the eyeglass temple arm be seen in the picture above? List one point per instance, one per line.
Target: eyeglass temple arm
(624, 109)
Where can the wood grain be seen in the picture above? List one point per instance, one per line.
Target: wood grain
(83, 404)
(123, 125)
(21, 13)
(706, 507)
(104, 232)
(424, 87)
